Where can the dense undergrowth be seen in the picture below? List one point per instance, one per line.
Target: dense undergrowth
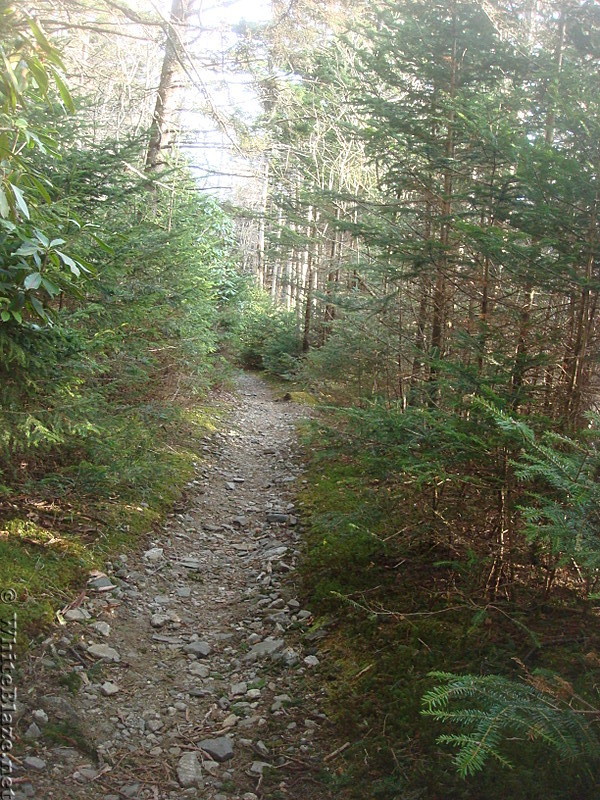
(104, 378)
(402, 571)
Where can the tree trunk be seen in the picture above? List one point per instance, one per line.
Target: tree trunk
(163, 129)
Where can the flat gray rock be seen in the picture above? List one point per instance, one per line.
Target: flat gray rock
(104, 651)
(267, 647)
(258, 767)
(33, 732)
(108, 689)
(102, 628)
(154, 554)
(190, 563)
(189, 771)
(220, 749)
(58, 708)
(198, 649)
(102, 584)
(275, 516)
(33, 762)
(77, 615)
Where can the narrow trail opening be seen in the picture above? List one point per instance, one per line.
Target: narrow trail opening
(190, 677)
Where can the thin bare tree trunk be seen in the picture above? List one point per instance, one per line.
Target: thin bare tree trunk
(164, 118)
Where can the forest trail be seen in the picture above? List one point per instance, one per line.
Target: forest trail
(196, 673)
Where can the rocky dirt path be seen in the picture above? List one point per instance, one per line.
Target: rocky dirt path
(186, 672)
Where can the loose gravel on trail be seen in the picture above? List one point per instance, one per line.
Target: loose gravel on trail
(189, 669)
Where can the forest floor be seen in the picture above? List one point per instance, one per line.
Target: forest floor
(190, 669)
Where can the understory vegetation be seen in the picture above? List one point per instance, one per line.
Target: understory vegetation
(420, 255)
(111, 280)
(432, 243)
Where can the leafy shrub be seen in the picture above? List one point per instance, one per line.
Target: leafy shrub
(265, 336)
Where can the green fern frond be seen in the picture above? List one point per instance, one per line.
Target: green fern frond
(490, 708)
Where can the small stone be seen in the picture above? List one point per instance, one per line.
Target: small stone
(311, 661)
(108, 689)
(212, 767)
(32, 733)
(183, 591)
(267, 647)
(158, 620)
(191, 563)
(131, 790)
(87, 773)
(104, 651)
(249, 796)
(40, 716)
(238, 689)
(189, 771)
(276, 516)
(154, 554)
(77, 615)
(199, 670)
(25, 791)
(33, 762)
(198, 649)
(154, 725)
(102, 627)
(199, 691)
(101, 584)
(258, 767)
(220, 749)
(60, 709)
(253, 694)
(290, 657)
(262, 748)
(135, 723)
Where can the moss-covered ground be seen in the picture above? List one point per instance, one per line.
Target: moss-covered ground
(395, 606)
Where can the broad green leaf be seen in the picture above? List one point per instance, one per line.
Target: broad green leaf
(56, 242)
(39, 73)
(38, 307)
(28, 248)
(50, 287)
(33, 281)
(10, 81)
(17, 316)
(5, 316)
(39, 187)
(65, 95)
(69, 262)
(39, 36)
(42, 238)
(4, 206)
(20, 200)
(103, 245)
